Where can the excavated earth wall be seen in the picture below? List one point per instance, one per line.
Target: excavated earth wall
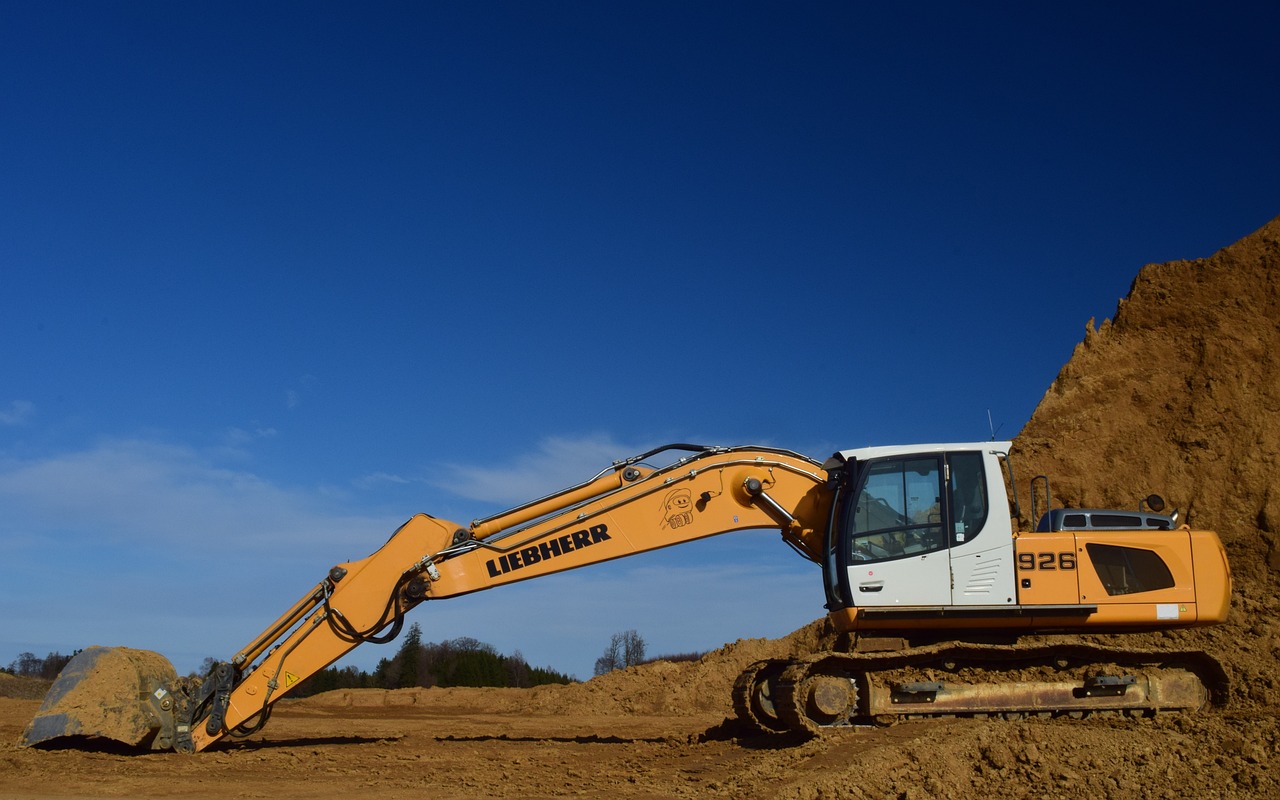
(1179, 394)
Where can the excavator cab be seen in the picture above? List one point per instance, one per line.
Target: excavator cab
(918, 527)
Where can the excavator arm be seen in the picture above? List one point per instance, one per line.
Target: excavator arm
(628, 508)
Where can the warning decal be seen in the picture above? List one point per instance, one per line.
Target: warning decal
(289, 679)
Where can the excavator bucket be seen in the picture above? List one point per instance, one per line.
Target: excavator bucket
(109, 692)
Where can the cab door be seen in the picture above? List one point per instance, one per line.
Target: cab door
(982, 568)
(895, 543)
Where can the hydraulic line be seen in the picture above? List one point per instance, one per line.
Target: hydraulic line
(347, 632)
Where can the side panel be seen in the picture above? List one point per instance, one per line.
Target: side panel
(981, 531)
(1046, 569)
(982, 569)
(1135, 578)
(923, 580)
(1138, 576)
(983, 577)
(1213, 577)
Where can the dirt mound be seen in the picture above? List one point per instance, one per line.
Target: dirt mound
(23, 688)
(662, 687)
(1179, 394)
(686, 687)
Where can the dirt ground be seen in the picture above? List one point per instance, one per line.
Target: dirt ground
(468, 743)
(1179, 393)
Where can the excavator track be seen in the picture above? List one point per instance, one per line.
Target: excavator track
(831, 690)
(753, 696)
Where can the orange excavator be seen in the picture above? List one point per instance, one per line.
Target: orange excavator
(933, 588)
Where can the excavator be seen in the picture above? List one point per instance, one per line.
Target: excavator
(943, 606)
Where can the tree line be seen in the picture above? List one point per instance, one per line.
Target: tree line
(29, 665)
(454, 662)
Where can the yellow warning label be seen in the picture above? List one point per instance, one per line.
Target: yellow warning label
(289, 679)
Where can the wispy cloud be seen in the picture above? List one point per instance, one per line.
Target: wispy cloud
(18, 412)
(293, 395)
(237, 437)
(148, 531)
(557, 462)
(181, 554)
(376, 479)
(143, 491)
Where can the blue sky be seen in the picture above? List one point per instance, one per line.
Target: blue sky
(277, 276)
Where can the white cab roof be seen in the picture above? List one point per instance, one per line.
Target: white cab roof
(865, 453)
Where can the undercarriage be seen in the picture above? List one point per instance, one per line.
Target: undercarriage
(831, 690)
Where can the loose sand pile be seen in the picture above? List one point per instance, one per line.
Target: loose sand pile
(23, 688)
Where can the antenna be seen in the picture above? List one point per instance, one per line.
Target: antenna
(992, 426)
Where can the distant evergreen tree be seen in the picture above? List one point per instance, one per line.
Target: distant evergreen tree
(380, 672)
(410, 658)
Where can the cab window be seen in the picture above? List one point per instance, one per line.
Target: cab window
(898, 513)
(967, 495)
